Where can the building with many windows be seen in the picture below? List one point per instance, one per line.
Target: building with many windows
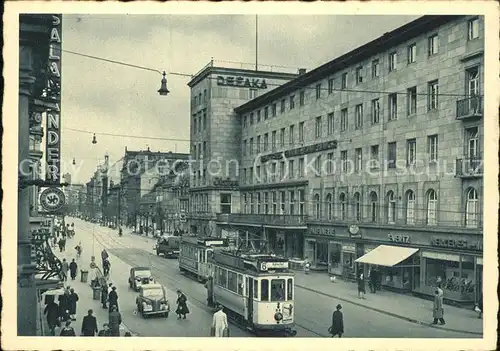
(373, 159)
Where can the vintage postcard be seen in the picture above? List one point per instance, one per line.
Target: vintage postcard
(307, 175)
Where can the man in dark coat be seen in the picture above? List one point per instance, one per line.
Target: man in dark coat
(113, 298)
(210, 291)
(63, 305)
(68, 330)
(89, 325)
(114, 319)
(182, 308)
(373, 280)
(337, 327)
(52, 312)
(73, 267)
(72, 299)
(104, 331)
(104, 296)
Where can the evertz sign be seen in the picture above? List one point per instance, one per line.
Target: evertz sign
(241, 82)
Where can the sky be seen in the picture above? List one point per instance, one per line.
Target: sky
(102, 97)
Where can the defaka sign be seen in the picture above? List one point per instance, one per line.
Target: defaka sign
(241, 82)
(53, 95)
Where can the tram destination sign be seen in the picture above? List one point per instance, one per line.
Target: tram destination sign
(264, 266)
(214, 242)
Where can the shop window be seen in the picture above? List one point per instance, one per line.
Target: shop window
(329, 206)
(335, 254)
(289, 289)
(454, 278)
(471, 209)
(317, 207)
(410, 207)
(278, 290)
(373, 206)
(431, 207)
(322, 252)
(264, 290)
(391, 207)
(357, 206)
(343, 206)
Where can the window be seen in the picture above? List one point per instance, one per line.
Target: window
(343, 160)
(273, 171)
(301, 132)
(411, 101)
(273, 110)
(225, 203)
(330, 86)
(393, 57)
(358, 116)
(251, 203)
(301, 167)
(472, 81)
(204, 119)
(358, 166)
(266, 203)
(412, 53)
(343, 206)
(258, 116)
(258, 143)
(194, 124)
(273, 140)
(282, 202)
(393, 107)
(283, 105)
(317, 166)
(301, 201)
(472, 143)
(357, 206)
(253, 93)
(291, 170)
(291, 136)
(331, 163)
(373, 206)
(410, 207)
(222, 277)
(431, 207)
(266, 112)
(471, 209)
(290, 289)
(329, 207)
(433, 92)
(375, 111)
(292, 102)
(359, 75)
(317, 207)
(264, 290)
(278, 290)
(411, 152)
(251, 118)
(330, 123)
(473, 29)
(391, 155)
(244, 151)
(232, 281)
(255, 289)
(292, 202)
(301, 97)
(318, 91)
(275, 202)
(374, 158)
(343, 120)
(240, 284)
(282, 137)
(391, 208)
(245, 197)
(318, 127)
(250, 174)
(266, 141)
(432, 147)
(344, 81)
(258, 203)
(433, 44)
(250, 152)
(282, 171)
(375, 68)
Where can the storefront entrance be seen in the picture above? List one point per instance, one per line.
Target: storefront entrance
(316, 251)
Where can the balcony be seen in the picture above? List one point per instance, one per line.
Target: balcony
(200, 215)
(470, 108)
(263, 219)
(469, 168)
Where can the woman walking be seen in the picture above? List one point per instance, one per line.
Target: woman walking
(182, 308)
(361, 286)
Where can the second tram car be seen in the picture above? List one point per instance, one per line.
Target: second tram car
(193, 255)
(257, 290)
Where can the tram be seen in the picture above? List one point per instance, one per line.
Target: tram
(256, 289)
(193, 253)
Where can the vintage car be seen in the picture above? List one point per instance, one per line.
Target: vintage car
(139, 276)
(169, 246)
(152, 300)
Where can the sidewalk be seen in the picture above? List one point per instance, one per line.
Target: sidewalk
(409, 308)
(84, 290)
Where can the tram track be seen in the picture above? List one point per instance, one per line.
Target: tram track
(165, 273)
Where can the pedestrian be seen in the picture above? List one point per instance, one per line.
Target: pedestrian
(64, 270)
(64, 305)
(78, 249)
(182, 308)
(220, 327)
(373, 280)
(52, 312)
(114, 320)
(73, 267)
(361, 286)
(64, 243)
(89, 324)
(113, 298)
(60, 243)
(104, 295)
(479, 307)
(104, 256)
(106, 265)
(438, 310)
(337, 327)
(73, 299)
(68, 330)
(210, 291)
(105, 330)
(307, 265)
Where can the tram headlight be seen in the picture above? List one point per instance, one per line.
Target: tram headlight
(278, 316)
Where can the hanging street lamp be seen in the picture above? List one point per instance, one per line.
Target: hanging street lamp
(163, 91)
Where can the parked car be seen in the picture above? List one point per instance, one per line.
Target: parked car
(169, 246)
(140, 276)
(152, 300)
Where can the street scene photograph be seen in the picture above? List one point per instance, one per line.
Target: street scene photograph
(253, 175)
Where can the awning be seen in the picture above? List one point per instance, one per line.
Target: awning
(385, 255)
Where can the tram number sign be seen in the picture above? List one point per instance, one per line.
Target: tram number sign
(264, 266)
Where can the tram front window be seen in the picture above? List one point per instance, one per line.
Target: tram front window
(278, 290)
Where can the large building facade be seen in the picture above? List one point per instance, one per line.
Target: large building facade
(381, 146)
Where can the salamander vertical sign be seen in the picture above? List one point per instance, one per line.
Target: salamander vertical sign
(53, 90)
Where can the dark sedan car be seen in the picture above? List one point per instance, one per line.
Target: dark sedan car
(152, 300)
(140, 276)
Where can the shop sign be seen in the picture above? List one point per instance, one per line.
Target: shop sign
(327, 145)
(241, 82)
(457, 244)
(322, 231)
(348, 247)
(52, 199)
(397, 238)
(225, 182)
